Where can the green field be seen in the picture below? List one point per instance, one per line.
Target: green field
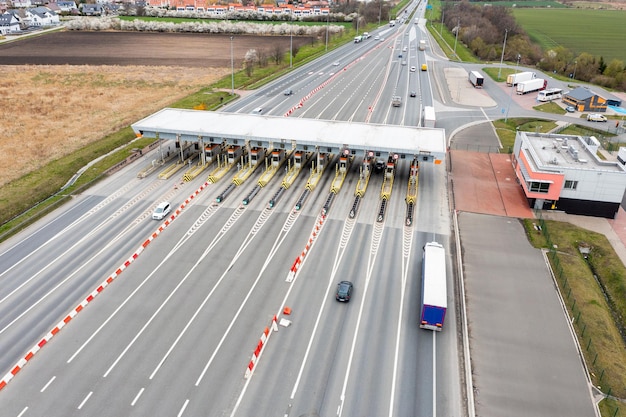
(598, 32)
(529, 3)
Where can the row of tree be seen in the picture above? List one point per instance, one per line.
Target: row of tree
(483, 30)
(220, 27)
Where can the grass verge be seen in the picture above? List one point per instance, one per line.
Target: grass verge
(507, 130)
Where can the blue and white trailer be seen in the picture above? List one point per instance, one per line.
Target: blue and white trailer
(434, 296)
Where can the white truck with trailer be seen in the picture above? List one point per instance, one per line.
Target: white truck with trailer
(531, 85)
(476, 79)
(429, 116)
(514, 79)
(422, 45)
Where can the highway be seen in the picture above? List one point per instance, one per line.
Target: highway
(174, 331)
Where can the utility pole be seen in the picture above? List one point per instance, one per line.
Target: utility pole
(506, 31)
(232, 69)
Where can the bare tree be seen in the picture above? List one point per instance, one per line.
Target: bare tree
(278, 53)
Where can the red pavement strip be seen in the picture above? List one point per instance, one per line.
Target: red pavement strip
(485, 183)
(23, 361)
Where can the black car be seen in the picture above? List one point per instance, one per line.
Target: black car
(344, 291)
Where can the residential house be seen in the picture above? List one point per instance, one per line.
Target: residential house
(41, 16)
(22, 3)
(91, 10)
(67, 6)
(9, 24)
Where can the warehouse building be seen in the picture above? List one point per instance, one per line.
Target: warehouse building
(562, 172)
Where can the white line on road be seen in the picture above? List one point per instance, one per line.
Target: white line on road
(23, 411)
(137, 397)
(434, 375)
(85, 400)
(49, 382)
(182, 410)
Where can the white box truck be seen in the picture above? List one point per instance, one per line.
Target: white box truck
(422, 45)
(514, 79)
(531, 85)
(429, 116)
(476, 79)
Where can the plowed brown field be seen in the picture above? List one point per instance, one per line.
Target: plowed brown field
(61, 91)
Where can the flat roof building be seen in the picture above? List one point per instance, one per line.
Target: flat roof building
(563, 172)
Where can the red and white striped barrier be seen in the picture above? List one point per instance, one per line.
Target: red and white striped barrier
(260, 346)
(23, 361)
(296, 264)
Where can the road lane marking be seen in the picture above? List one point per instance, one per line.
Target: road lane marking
(23, 411)
(137, 397)
(49, 382)
(85, 400)
(182, 410)
(434, 374)
(407, 243)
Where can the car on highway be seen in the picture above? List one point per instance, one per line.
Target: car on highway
(424, 67)
(257, 110)
(288, 92)
(412, 94)
(405, 48)
(595, 117)
(161, 211)
(570, 109)
(336, 64)
(344, 291)
(376, 37)
(413, 68)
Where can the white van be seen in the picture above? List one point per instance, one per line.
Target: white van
(595, 117)
(161, 211)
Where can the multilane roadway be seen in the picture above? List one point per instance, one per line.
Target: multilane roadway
(174, 333)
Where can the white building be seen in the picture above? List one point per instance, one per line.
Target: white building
(563, 172)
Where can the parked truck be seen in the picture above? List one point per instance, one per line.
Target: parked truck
(422, 45)
(396, 101)
(476, 79)
(514, 79)
(531, 85)
(429, 116)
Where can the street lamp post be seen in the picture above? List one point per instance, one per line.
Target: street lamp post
(327, 24)
(232, 69)
(458, 28)
(575, 65)
(511, 95)
(291, 41)
(506, 31)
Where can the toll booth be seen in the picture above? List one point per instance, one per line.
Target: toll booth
(298, 159)
(321, 161)
(343, 164)
(234, 152)
(211, 151)
(277, 157)
(256, 154)
(391, 167)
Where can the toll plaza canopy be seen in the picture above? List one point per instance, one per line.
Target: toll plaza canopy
(302, 134)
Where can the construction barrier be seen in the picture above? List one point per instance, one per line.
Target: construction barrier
(314, 233)
(260, 346)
